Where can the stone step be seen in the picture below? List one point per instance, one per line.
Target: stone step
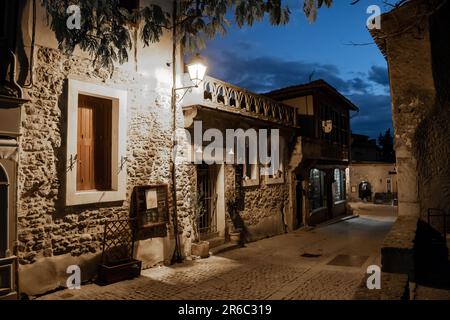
(208, 236)
(215, 242)
(224, 247)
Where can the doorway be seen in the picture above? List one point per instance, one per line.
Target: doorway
(208, 200)
(365, 191)
(3, 213)
(299, 204)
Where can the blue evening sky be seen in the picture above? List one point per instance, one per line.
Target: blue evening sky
(262, 58)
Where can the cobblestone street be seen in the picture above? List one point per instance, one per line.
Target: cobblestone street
(272, 268)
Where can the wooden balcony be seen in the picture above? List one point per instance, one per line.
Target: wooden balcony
(216, 94)
(324, 150)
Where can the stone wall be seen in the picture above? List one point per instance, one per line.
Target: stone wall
(432, 145)
(264, 206)
(415, 41)
(52, 236)
(419, 82)
(413, 95)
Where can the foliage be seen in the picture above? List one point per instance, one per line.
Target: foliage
(107, 27)
(199, 211)
(386, 142)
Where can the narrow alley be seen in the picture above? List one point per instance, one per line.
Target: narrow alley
(328, 262)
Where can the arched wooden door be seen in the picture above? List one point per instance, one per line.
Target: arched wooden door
(3, 212)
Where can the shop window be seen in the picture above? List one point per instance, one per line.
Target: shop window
(317, 189)
(339, 185)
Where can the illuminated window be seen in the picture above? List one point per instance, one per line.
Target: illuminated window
(339, 185)
(317, 190)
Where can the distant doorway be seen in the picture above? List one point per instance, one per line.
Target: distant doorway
(365, 191)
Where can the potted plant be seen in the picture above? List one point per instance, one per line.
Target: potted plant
(233, 232)
(198, 247)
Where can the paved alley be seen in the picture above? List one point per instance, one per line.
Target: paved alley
(327, 262)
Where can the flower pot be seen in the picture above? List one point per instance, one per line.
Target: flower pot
(235, 237)
(122, 270)
(200, 249)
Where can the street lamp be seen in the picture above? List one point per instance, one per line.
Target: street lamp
(197, 69)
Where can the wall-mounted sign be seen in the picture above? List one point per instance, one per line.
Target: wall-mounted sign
(327, 126)
(151, 206)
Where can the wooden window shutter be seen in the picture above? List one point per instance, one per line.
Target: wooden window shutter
(85, 145)
(94, 143)
(102, 144)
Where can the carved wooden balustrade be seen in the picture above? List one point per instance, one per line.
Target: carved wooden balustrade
(217, 94)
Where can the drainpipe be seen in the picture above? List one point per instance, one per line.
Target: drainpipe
(177, 258)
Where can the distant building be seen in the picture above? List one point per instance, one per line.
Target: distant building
(323, 152)
(371, 179)
(365, 149)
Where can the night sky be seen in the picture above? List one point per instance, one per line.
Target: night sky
(263, 58)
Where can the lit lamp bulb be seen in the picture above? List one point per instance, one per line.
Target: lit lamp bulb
(197, 69)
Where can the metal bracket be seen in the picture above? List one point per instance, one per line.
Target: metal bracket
(72, 161)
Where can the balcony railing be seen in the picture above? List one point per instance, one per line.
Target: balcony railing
(217, 94)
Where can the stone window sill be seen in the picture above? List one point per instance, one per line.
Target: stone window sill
(270, 181)
(94, 196)
(250, 183)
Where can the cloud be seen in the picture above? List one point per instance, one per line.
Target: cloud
(379, 75)
(375, 114)
(265, 73)
(261, 74)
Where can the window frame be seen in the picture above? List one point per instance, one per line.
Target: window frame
(323, 191)
(342, 184)
(254, 180)
(118, 144)
(270, 179)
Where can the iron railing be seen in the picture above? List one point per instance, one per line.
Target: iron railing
(220, 95)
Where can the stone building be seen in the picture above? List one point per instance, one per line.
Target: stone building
(323, 151)
(414, 40)
(60, 207)
(370, 178)
(377, 178)
(262, 198)
(365, 149)
(76, 171)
